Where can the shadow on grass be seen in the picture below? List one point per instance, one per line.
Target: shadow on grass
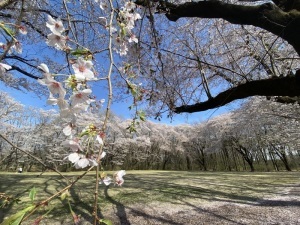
(178, 188)
(222, 218)
(121, 213)
(12, 185)
(167, 190)
(164, 190)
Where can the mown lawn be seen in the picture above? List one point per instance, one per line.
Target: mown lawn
(143, 187)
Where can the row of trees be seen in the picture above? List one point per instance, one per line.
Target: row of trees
(261, 135)
(202, 62)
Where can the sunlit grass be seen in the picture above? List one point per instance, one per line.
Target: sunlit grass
(144, 187)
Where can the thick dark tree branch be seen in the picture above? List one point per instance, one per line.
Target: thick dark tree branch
(13, 67)
(279, 21)
(285, 86)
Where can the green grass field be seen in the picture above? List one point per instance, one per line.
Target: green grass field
(143, 187)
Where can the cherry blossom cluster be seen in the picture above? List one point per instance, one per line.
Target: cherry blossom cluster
(73, 97)
(118, 178)
(12, 46)
(56, 39)
(126, 20)
(77, 103)
(122, 32)
(70, 106)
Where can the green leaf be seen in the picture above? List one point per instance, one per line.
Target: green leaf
(106, 221)
(83, 133)
(142, 116)
(32, 194)
(14, 219)
(64, 195)
(17, 218)
(132, 88)
(7, 30)
(81, 52)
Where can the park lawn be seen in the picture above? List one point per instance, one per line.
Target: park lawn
(143, 187)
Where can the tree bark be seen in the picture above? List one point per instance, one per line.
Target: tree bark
(284, 86)
(282, 19)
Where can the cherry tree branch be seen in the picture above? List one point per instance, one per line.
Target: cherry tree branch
(45, 202)
(23, 72)
(268, 16)
(32, 156)
(284, 86)
(107, 112)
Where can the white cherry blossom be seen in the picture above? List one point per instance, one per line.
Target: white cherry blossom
(22, 30)
(130, 5)
(72, 144)
(17, 47)
(67, 130)
(62, 103)
(4, 67)
(106, 180)
(56, 41)
(133, 39)
(84, 162)
(99, 139)
(80, 161)
(56, 88)
(79, 97)
(52, 100)
(79, 108)
(82, 69)
(103, 154)
(44, 68)
(73, 157)
(136, 16)
(118, 177)
(56, 26)
(123, 49)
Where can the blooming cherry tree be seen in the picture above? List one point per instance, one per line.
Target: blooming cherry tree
(70, 86)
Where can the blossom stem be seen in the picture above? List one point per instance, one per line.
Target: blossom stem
(13, 39)
(107, 113)
(57, 193)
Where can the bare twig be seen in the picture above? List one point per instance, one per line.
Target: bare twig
(34, 157)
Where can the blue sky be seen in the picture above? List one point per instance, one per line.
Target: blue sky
(119, 108)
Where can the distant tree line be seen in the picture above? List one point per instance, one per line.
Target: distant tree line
(260, 136)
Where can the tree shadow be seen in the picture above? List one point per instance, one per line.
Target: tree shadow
(12, 185)
(163, 187)
(146, 216)
(222, 218)
(121, 212)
